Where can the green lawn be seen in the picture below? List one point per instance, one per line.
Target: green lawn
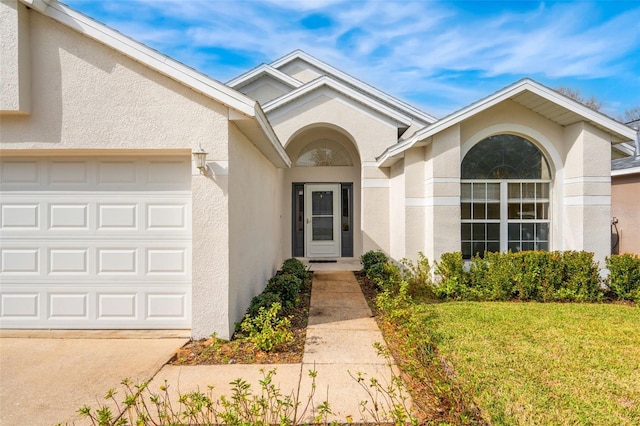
(534, 363)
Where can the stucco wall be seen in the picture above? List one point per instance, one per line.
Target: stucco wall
(89, 99)
(88, 96)
(370, 132)
(397, 214)
(625, 206)
(265, 89)
(255, 223)
(15, 65)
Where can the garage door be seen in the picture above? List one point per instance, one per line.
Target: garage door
(95, 243)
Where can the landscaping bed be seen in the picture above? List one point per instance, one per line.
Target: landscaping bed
(242, 350)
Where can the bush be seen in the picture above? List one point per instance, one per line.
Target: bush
(263, 300)
(371, 258)
(295, 267)
(385, 276)
(452, 282)
(267, 330)
(418, 277)
(624, 276)
(582, 281)
(287, 287)
(531, 275)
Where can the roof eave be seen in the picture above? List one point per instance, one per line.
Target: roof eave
(259, 131)
(619, 130)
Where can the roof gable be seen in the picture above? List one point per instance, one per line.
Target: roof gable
(328, 82)
(298, 56)
(530, 94)
(143, 54)
(245, 111)
(261, 71)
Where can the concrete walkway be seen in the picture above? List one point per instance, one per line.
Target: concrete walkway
(339, 345)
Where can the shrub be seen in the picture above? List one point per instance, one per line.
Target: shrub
(385, 276)
(295, 267)
(452, 282)
(418, 277)
(582, 282)
(372, 257)
(267, 330)
(624, 276)
(287, 287)
(263, 300)
(531, 275)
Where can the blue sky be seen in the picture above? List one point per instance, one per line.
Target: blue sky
(439, 56)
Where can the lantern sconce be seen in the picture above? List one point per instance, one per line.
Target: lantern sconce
(200, 157)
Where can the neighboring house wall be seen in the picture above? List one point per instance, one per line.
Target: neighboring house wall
(255, 222)
(625, 206)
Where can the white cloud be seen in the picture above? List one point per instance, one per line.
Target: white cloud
(397, 46)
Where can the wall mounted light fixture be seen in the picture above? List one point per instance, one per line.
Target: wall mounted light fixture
(200, 157)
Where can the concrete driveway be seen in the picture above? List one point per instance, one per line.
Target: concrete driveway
(46, 376)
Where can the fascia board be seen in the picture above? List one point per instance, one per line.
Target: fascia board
(264, 69)
(326, 81)
(39, 5)
(149, 57)
(264, 124)
(622, 172)
(574, 106)
(500, 96)
(408, 109)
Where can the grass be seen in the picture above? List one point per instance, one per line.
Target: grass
(533, 363)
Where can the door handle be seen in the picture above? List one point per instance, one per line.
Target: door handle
(308, 220)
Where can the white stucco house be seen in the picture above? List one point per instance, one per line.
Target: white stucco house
(107, 223)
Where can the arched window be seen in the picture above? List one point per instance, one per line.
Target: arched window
(323, 152)
(504, 197)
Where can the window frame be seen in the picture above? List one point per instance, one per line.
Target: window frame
(504, 221)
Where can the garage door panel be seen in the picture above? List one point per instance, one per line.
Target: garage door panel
(65, 172)
(68, 305)
(19, 306)
(20, 173)
(95, 243)
(20, 216)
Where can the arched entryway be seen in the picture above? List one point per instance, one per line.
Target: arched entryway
(324, 181)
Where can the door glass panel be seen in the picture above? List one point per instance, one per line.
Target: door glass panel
(322, 228)
(322, 203)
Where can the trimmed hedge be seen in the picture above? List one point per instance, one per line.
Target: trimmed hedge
(541, 276)
(624, 276)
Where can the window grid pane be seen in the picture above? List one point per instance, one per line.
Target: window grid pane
(527, 223)
(480, 209)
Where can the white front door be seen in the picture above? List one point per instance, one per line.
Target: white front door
(322, 220)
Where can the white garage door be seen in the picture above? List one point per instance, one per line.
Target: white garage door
(95, 242)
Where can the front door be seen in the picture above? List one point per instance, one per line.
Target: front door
(322, 220)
